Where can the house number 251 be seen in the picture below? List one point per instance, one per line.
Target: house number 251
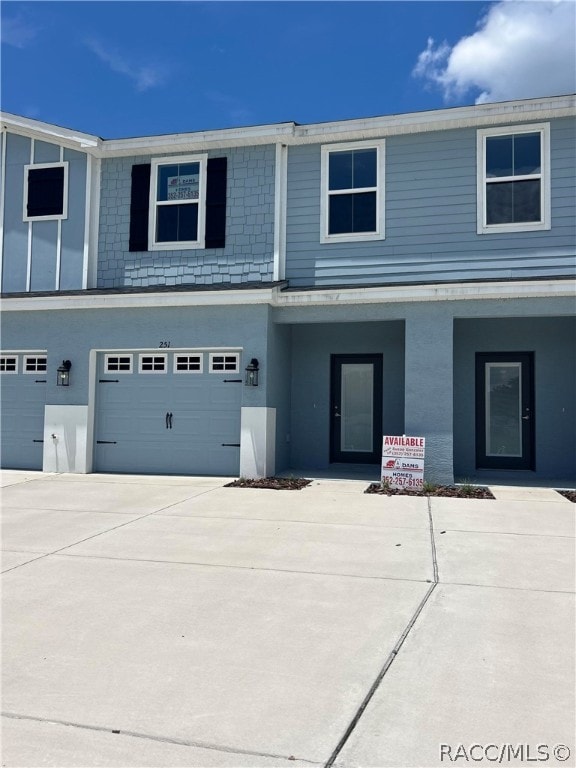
(164, 344)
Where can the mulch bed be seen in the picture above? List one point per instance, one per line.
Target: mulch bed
(570, 495)
(272, 483)
(454, 491)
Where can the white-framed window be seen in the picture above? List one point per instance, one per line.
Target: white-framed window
(152, 363)
(8, 363)
(188, 363)
(34, 364)
(352, 203)
(45, 191)
(513, 178)
(118, 363)
(228, 362)
(177, 202)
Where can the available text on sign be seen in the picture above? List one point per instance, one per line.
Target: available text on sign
(403, 461)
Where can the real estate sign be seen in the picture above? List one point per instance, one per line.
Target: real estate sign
(403, 461)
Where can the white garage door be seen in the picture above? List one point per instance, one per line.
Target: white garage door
(23, 397)
(173, 412)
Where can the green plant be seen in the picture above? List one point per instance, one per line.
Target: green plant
(429, 487)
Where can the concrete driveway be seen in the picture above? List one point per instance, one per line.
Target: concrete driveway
(169, 621)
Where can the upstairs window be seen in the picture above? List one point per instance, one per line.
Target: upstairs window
(45, 191)
(353, 192)
(177, 203)
(513, 179)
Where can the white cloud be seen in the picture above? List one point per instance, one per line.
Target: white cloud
(17, 32)
(143, 77)
(520, 50)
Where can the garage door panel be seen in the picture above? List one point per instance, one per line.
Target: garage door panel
(151, 426)
(114, 424)
(222, 427)
(205, 413)
(23, 397)
(192, 425)
(190, 389)
(115, 394)
(223, 394)
(131, 456)
(152, 394)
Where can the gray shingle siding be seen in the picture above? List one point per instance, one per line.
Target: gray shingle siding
(249, 251)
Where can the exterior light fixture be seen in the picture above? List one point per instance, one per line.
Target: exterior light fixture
(63, 374)
(252, 369)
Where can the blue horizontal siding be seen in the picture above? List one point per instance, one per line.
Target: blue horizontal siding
(430, 201)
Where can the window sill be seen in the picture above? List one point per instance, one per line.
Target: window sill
(184, 246)
(352, 238)
(498, 229)
(54, 217)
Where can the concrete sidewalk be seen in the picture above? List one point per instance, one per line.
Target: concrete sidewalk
(169, 621)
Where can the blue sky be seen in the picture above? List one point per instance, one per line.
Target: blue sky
(119, 69)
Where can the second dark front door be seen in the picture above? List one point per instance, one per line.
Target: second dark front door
(356, 409)
(505, 410)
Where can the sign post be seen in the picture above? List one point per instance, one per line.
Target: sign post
(403, 461)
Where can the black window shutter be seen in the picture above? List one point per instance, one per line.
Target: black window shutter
(139, 203)
(216, 203)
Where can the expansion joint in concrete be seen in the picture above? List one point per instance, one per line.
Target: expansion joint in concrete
(393, 653)
(161, 739)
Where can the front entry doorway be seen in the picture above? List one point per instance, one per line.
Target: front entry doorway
(356, 409)
(505, 410)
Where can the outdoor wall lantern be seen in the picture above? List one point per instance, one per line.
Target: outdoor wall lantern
(63, 374)
(252, 369)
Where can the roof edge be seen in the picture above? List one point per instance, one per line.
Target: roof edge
(291, 133)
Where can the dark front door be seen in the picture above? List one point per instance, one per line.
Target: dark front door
(505, 410)
(356, 409)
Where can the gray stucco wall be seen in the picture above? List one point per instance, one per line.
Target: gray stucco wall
(430, 213)
(428, 410)
(44, 240)
(553, 342)
(249, 251)
(71, 334)
(278, 386)
(312, 346)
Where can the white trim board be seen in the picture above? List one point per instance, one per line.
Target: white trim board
(509, 112)
(277, 298)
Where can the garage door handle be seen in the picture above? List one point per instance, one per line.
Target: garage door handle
(168, 420)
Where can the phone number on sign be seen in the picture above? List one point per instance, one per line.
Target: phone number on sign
(404, 482)
(183, 194)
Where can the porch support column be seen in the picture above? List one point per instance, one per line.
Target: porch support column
(429, 387)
